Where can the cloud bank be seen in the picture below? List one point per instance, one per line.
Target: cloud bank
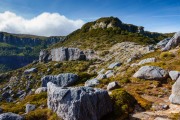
(45, 24)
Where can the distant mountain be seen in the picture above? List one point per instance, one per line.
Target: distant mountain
(17, 50)
(107, 31)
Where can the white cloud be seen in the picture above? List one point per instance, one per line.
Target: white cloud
(45, 24)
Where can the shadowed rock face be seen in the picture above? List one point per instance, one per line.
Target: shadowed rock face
(173, 42)
(78, 103)
(65, 54)
(62, 80)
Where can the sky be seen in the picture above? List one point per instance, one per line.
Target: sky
(61, 17)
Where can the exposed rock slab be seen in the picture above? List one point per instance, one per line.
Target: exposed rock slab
(78, 103)
(151, 73)
(62, 80)
(31, 70)
(173, 42)
(10, 116)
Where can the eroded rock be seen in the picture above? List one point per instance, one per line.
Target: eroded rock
(78, 103)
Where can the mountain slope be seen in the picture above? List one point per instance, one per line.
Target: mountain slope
(105, 32)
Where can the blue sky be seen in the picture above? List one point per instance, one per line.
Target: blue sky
(154, 15)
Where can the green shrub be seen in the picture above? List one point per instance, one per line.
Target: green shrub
(123, 103)
(166, 55)
(41, 114)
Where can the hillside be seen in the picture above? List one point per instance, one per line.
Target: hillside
(105, 32)
(19, 50)
(130, 79)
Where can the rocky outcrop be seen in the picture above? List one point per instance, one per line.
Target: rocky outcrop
(173, 42)
(151, 73)
(175, 96)
(174, 75)
(91, 83)
(62, 80)
(162, 43)
(66, 54)
(112, 86)
(44, 56)
(40, 90)
(78, 103)
(10, 116)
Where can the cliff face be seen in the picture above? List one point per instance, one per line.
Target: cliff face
(19, 50)
(22, 40)
(13, 62)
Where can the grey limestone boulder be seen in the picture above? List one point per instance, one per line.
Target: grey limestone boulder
(173, 42)
(30, 107)
(78, 103)
(151, 73)
(91, 83)
(174, 75)
(40, 90)
(175, 95)
(112, 85)
(62, 80)
(10, 116)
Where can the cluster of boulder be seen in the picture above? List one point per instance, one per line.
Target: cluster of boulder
(66, 54)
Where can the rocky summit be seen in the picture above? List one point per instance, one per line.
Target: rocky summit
(79, 103)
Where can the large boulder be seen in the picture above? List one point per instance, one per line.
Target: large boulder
(173, 42)
(10, 116)
(92, 83)
(78, 103)
(151, 73)
(174, 75)
(175, 96)
(62, 80)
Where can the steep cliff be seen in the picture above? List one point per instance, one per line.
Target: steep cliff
(19, 50)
